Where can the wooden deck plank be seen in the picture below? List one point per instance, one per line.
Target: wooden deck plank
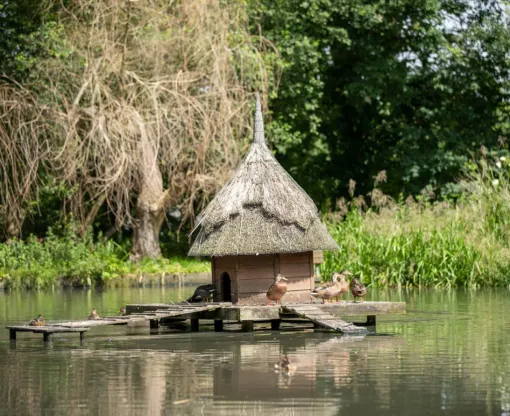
(326, 320)
(91, 323)
(350, 308)
(49, 329)
(325, 315)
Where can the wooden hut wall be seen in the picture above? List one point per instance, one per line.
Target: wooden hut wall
(298, 269)
(220, 265)
(256, 273)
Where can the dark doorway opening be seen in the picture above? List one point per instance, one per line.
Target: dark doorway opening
(226, 288)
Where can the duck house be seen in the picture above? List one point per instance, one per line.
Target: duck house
(261, 223)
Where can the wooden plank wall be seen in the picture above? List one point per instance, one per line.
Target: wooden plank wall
(221, 265)
(298, 269)
(256, 273)
(318, 257)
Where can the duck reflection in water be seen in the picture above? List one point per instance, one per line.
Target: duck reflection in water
(285, 370)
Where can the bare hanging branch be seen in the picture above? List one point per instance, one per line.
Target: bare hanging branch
(22, 151)
(149, 109)
(172, 78)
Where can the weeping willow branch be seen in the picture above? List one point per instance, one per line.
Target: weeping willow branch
(149, 108)
(23, 150)
(173, 78)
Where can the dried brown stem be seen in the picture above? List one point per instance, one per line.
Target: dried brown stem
(150, 107)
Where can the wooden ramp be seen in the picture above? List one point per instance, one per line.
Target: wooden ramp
(167, 311)
(324, 319)
(186, 311)
(179, 310)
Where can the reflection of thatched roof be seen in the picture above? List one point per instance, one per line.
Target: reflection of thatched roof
(260, 210)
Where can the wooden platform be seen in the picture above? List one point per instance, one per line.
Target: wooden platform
(327, 316)
(239, 313)
(182, 310)
(248, 315)
(47, 331)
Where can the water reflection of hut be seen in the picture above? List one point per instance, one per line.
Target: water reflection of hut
(260, 224)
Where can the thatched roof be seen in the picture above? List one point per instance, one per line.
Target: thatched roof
(261, 210)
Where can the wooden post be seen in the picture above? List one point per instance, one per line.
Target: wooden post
(218, 325)
(82, 336)
(47, 336)
(154, 324)
(12, 334)
(371, 320)
(247, 326)
(275, 324)
(195, 324)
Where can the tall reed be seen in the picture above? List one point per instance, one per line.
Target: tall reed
(442, 244)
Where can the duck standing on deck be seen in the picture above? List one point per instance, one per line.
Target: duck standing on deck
(39, 321)
(358, 289)
(202, 293)
(329, 290)
(277, 290)
(343, 285)
(94, 315)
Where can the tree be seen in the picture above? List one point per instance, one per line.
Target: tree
(21, 155)
(409, 87)
(28, 31)
(147, 106)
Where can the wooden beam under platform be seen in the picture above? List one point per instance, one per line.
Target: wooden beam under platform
(47, 331)
(228, 312)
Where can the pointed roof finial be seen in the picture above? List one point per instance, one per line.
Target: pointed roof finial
(258, 131)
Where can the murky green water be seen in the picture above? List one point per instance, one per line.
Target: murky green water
(449, 355)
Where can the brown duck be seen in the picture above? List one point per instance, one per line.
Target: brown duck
(326, 291)
(342, 284)
(277, 290)
(333, 289)
(94, 315)
(39, 321)
(358, 289)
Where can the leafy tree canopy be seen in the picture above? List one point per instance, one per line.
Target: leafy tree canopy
(410, 87)
(28, 30)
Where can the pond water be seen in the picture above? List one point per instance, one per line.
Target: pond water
(450, 354)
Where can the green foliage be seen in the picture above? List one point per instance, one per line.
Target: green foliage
(440, 257)
(29, 32)
(466, 244)
(409, 87)
(37, 263)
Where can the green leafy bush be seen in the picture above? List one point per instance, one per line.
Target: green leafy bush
(444, 244)
(37, 263)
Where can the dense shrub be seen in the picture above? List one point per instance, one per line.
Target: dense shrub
(37, 263)
(466, 243)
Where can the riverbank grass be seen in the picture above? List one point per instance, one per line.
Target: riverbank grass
(461, 244)
(38, 264)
